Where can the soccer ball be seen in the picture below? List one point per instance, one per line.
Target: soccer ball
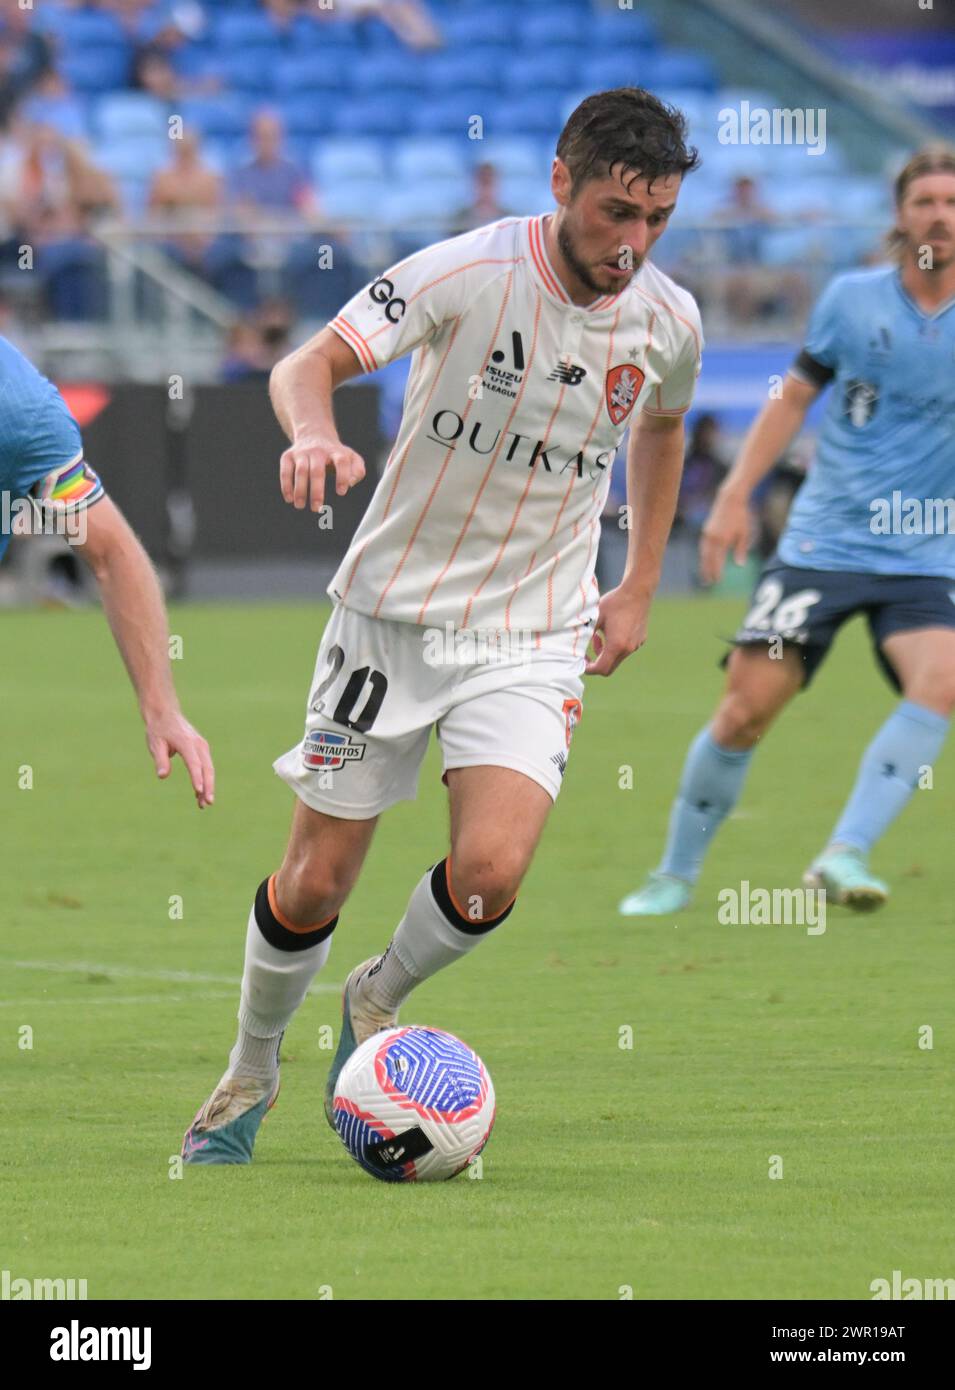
(414, 1105)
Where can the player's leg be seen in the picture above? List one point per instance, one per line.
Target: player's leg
(497, 816)
(505, 736)
(759, 685)
(922, 663)
(288, 939)
(366, 732)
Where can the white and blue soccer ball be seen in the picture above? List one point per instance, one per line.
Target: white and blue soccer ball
(414, 1105)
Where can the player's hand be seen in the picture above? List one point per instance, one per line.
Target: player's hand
(729, 526)
(303, 467)
(620, 630)
(170, 733)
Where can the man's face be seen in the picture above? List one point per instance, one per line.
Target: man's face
(926, 217)
(610, 225)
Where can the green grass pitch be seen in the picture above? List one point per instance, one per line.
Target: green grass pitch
(609, 1169)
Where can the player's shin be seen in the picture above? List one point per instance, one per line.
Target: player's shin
(710, 787)
(281, 961)
(432, 934)
(892, 766)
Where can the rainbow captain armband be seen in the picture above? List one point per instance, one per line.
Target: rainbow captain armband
(69, 488)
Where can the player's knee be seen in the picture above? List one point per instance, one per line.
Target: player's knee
(935, 689)
(308, 891)
(485, 883)
(741, 719)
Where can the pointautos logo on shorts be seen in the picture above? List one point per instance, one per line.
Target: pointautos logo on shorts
(330, 751)
(75, 1343)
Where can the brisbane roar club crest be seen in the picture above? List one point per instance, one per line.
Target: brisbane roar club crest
(622, 390)
(573, 712)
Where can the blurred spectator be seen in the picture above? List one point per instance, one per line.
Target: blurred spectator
(746, 217)
(51, 193)
(409, 19)
(484, 206)
(703, 471)
(270, 181)
(187, 190)
(269, 188)
(153, 73)
(754, 291)
(256, 343)
(52, 103)
(25, 56)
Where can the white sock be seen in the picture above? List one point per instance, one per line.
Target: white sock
(274, 983)
(425, 941)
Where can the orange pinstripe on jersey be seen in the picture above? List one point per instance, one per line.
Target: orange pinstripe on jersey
(490, 468)
(444, 466)
(566, 498)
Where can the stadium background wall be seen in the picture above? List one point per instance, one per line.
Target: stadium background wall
(220, 447)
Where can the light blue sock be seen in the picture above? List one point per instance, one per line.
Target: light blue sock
(909, 740)
(709, 789)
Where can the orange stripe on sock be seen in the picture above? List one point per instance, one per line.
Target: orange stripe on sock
(283, 921)
(457, 906)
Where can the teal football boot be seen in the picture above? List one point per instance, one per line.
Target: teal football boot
(359, 1022)
(661, 895)
(225, 1127)
(843, 872)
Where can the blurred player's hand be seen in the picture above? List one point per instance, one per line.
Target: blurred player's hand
(620, 630)
(303, 467)
(170, 733)
(729, 526)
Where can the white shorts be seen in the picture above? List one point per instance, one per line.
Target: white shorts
(504, 700)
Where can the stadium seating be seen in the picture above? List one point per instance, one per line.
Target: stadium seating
(390, 133)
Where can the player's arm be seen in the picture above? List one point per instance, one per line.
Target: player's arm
(300, 388)
(729, 524)
(137, 616)
(654, 469)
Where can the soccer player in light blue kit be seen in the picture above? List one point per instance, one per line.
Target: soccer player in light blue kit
(45, 481)
(871, 531)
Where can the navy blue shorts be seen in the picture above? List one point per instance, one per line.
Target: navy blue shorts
(806, 608)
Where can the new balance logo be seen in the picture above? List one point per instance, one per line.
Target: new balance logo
(561, 760)
(569, 374)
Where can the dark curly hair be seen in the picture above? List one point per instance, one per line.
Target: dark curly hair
(629, 127)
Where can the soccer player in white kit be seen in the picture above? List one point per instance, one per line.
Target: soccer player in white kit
(466, 601)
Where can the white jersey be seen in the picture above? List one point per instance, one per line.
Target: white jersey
(487, 514)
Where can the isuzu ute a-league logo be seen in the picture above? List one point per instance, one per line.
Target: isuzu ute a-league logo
(331, 751)
(502, 379)
(622, 390)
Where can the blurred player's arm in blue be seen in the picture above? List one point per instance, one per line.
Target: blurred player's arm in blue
(730, 523)
(654, 470)
(134, 607)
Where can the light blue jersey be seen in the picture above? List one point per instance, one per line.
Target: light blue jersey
(41, 451)
(880, 496)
